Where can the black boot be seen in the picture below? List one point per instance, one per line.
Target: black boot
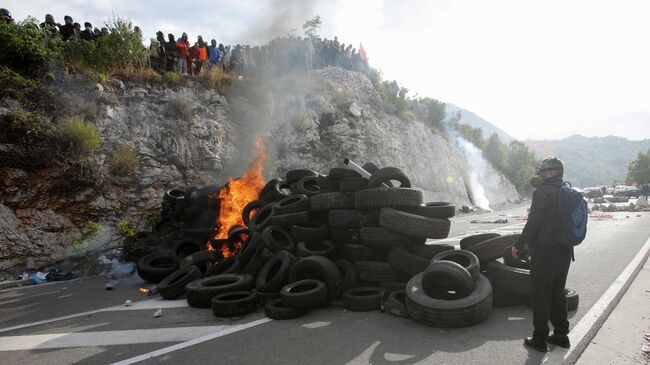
(539, 345)
(559, 340)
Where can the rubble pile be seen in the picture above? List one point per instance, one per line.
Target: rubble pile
(310, 239)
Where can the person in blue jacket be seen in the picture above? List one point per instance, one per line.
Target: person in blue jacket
(214, 54)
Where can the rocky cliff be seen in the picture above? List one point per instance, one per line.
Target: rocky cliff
(190, 135)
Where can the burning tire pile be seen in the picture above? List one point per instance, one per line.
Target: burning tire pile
(310, 239)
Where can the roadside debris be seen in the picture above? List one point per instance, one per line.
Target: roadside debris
(157, 313)
(128, 303)
(108, 286)
(498, 221)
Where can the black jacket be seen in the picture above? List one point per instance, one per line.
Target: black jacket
(543, 207)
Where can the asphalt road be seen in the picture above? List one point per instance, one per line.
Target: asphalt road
(95, 335)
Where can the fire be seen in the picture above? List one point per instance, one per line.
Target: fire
(235, 195)
(145, 291)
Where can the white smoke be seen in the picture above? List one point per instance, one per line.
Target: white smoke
(478, 167)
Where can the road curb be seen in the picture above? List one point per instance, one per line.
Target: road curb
(582, 334)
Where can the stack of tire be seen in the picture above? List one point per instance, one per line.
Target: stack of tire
(310, 239)
(510, 277)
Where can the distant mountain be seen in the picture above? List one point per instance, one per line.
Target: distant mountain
(591, 161)
(476, 121)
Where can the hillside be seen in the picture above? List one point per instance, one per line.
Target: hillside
(474, 120)
(592, 161)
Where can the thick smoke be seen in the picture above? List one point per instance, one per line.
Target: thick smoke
(479, 167)
(283, 17)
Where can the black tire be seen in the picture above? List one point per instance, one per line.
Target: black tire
(363, 299)
(307, 293)
(309, 232)
(173, 286)
(344, 235)
(278, 191)
(407, 261)
(292, 204)
(295, 175)
(248, 247)
(388, 174)
(464, 258)
(269, 186)
(200, 292)
(334, 200)
(493, 248)
(381, 237)
(198, 259)
(230, 265)
(327, 183)
(349, 277)
(185, 247)
(274, 309)
(352, 218)
(262, 218)
(275, 272)
(257, 261)
(308, 186)
(291, 219)
(352, 184)
(154, 268)
(510, 278)
(396, 304)
(201, 195)
(572, 299)
(342, 172)
(472, 240)
(378, 272)
(318, 268)
(263, 297)
(387, 197)
(447, 280)
(356, 253)
(277, 239)
(251, 207)
(322, 248)
(233, 304)
(439, 210)
(448, 313)
(506, 298)
(414, 225)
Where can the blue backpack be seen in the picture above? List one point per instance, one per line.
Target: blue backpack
(569, 226)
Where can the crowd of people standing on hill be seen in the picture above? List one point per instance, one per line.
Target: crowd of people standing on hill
(171, 54)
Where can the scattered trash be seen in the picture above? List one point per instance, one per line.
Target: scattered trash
(38, 278)
(108, 286)
(466, 209)
(128, 303)
(500, 221)
(157, 313)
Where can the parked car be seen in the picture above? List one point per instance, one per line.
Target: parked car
(628, 191)
(592, 192)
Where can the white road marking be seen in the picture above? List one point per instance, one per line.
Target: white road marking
(144, 304)
(227, 331)
(105, 338)
(319, 324)
(397, 357)
(588, 326)
(4, 290)
(10, 301)
(41, 294)
(64, 296)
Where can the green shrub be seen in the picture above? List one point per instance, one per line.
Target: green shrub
(300, 121)
(180, 108)
(20, 121)
(23, 47)
(154, 220)
(92, 231)
(79, 136)
(124, 161)
(126, 229)
(172, 78)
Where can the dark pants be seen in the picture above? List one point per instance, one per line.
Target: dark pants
(549, 269)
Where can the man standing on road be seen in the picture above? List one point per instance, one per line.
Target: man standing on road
(550, 260)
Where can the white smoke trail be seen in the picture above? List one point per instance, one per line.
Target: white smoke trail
(478, 166)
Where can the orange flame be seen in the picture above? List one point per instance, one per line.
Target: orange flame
(235, 195)
(145, 291)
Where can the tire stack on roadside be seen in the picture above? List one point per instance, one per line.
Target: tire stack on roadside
(510, 278)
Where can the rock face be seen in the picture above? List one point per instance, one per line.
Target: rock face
(192, 136)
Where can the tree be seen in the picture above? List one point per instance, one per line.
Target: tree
(496, 152)
(435, 111)
(639, 169)
(521, 166)
(312, 26)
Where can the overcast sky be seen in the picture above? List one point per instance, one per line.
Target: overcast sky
(537, 69)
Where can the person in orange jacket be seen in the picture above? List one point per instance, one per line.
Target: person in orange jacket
(203, 55)
(185, 64)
